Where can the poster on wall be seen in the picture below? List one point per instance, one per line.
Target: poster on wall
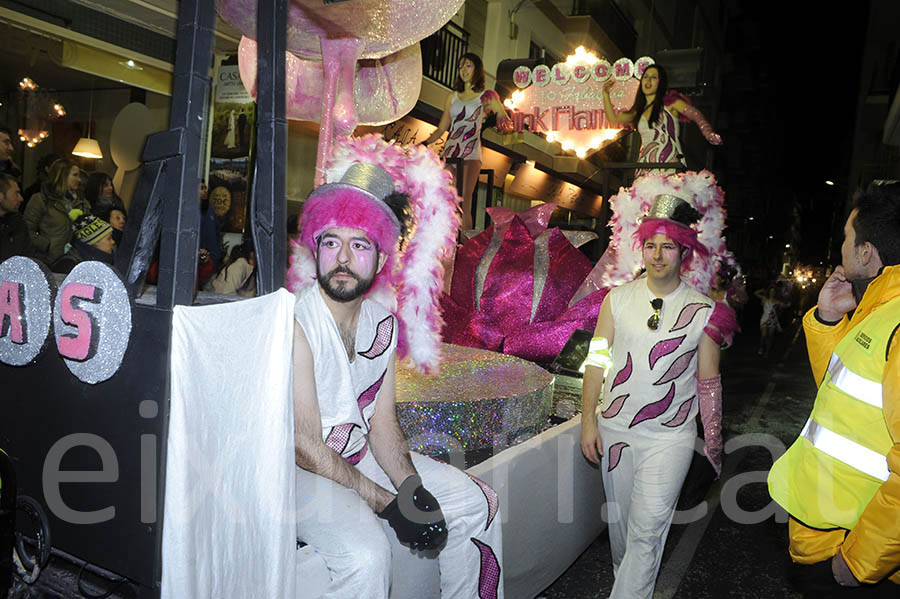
(231, 148)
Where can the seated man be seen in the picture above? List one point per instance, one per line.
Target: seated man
(357, 479)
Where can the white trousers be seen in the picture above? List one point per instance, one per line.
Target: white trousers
(357, 545)
(641, 493)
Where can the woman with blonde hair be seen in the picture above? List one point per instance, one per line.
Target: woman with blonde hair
(47, 213)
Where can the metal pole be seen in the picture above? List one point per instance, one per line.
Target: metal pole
(267, 205)
(181, 212)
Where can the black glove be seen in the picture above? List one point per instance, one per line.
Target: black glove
(416, 517)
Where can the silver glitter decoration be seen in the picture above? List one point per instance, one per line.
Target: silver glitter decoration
(484, 264)
(579, 238)
(38, 288)
(541, 268)
(664, 205)
(110, 320)
(479, 400)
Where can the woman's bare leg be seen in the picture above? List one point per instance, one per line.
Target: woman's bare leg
(470, 171)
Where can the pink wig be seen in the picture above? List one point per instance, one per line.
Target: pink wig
(684, 236)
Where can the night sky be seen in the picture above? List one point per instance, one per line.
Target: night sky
(789, 101)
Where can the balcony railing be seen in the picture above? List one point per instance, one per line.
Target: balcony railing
(611, 19)
(441, 52)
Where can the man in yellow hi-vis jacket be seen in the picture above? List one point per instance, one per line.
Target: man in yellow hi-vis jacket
(840, 480)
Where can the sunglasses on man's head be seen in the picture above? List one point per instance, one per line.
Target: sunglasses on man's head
(653, 321)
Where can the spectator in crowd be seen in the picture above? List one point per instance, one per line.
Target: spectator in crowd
(43, 175)
(14, 238)
(47, 214)
(92, 241)
(7, 164)
(210, 230)
(238, 275)
(101, 195)
(116, 217)
(769, 324)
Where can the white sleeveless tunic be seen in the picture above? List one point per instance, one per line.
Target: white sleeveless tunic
(652, 385)
(346, 391)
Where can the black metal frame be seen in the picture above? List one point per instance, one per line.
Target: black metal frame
(165, 208)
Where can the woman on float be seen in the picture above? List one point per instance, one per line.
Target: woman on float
(463, 114)
(655, 114)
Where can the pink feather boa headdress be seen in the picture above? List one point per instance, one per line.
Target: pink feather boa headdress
(630, 204)
(410, 283)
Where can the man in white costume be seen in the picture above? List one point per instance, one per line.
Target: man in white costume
(655, 340)
(358, 485)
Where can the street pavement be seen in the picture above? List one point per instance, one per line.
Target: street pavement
(739, 549)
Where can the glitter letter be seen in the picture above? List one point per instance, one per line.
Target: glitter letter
(12, 309)
(79, 346)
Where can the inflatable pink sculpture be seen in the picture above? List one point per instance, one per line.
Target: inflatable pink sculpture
(348, 63)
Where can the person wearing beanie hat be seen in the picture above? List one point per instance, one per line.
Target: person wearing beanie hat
(656, 339)
(350, 449)
(91, 240)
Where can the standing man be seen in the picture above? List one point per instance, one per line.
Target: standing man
(840, 480)
(14, 237)
(358, 485)
(654, 335)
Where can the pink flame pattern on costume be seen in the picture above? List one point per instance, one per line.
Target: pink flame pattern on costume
(664, 348)
(683, 410)
(687, 315)
(615, 454)
(490, 495)
(655, 409)
(624, 374)
(489, 577)
(677, 368)
(615, 406)
(368, 396)
(383, 334)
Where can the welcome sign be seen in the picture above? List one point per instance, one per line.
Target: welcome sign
(565, 101)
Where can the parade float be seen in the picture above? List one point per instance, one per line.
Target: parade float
(123, 457)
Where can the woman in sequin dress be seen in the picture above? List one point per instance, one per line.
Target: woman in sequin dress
(655, 114)
(464, 112)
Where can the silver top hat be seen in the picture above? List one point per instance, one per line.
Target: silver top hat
(372, 180)
(673, 208)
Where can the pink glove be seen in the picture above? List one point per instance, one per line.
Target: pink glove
(705, 128)
(710, 394)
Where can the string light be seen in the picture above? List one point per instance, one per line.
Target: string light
(38, 109)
